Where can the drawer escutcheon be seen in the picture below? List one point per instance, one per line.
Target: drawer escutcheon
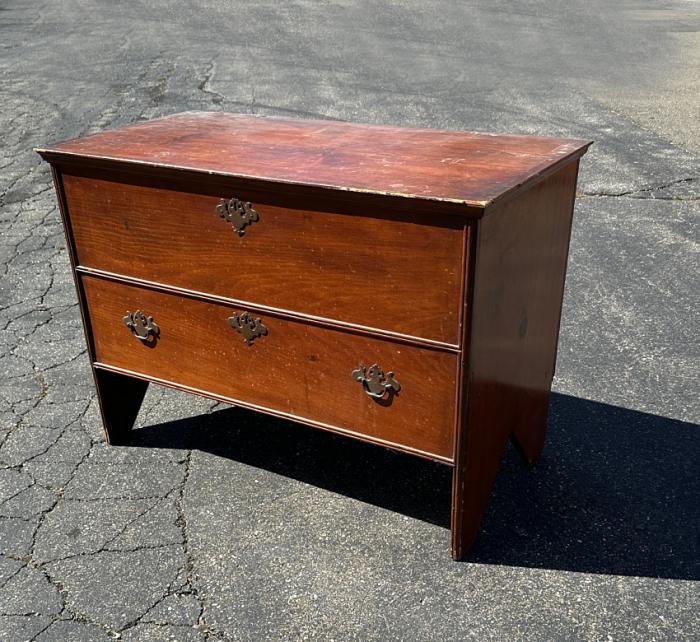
(251, 328)
(237, 212)
(375, 383)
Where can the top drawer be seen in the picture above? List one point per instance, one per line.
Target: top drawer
(388, 273)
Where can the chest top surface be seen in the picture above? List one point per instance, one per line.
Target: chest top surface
(452, 166)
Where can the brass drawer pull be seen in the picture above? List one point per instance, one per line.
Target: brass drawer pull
(375, 382)
(251, 328)
(142, 327)
(238, 213)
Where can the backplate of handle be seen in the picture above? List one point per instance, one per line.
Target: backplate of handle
(248, 326)
(375, 383)
(237, 212)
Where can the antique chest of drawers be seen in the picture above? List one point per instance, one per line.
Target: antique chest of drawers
(399, 286)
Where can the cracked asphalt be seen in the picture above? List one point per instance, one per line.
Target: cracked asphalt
(215, 524)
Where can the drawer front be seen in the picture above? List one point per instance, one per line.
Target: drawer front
(386, 273)
(305, 371)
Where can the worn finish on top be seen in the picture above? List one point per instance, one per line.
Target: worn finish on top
(463, 167)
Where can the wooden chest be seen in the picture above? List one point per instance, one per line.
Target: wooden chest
(399, 286)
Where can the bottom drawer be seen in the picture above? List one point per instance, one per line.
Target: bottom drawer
(305, 371)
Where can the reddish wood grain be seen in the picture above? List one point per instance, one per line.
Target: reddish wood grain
(389, 273)
(462, 167)
(439, 255)
(300, 370)
(521, 249)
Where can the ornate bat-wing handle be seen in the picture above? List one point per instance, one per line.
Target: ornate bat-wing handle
(142, 327)
(375, 383)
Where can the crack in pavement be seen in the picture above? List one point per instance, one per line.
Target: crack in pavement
(204, 85)
(639, 193)
(187, 586)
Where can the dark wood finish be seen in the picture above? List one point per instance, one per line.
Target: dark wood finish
(297, 369)
(438, 255)
(391, 274)
(120, 399)
(464, 168)
(519, 266)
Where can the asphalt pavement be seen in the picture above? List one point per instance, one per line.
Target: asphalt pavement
(191, 532)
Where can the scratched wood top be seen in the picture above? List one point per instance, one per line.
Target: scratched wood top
(459, 167)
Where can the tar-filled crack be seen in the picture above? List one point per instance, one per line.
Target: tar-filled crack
(204, 85)
(646, 193)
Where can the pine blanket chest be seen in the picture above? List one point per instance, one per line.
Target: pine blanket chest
(399, 286)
